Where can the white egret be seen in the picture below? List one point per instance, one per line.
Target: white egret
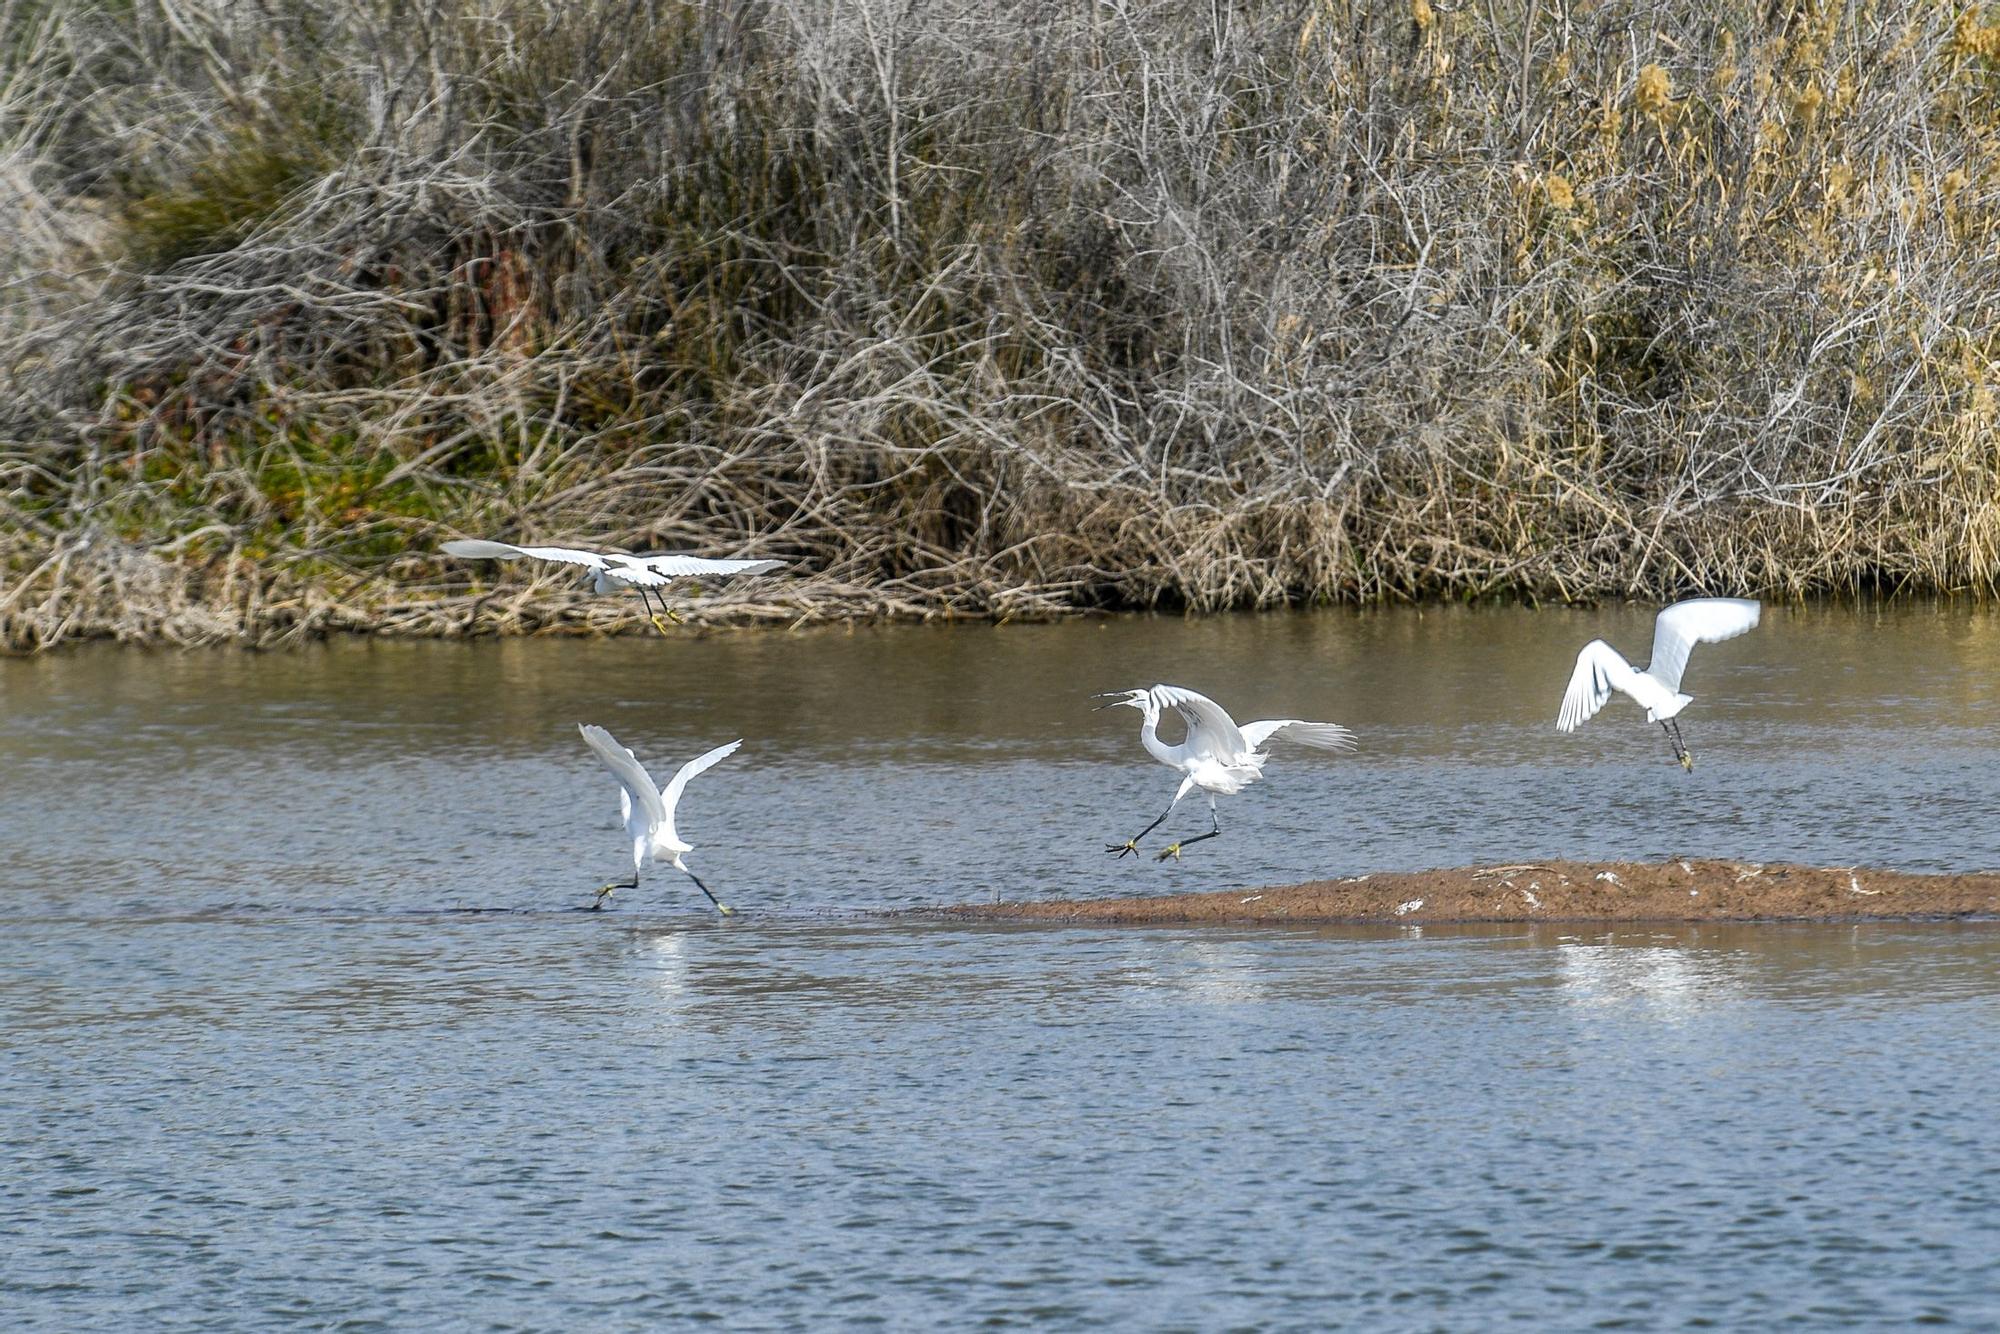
(1600, 669)
(615, 572)
(1217, 756)
(647, 812)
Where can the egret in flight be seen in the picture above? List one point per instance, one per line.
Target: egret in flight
(1217, 756)
(1600, 670)
(614, 572)
(647, 812)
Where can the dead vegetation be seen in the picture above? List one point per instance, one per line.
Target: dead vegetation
(993, 310)
(1676, 890)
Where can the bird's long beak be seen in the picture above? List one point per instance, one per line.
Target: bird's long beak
(1112, 698)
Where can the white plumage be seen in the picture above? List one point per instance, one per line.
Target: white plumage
(647, 812)
(1216, 755)
(613, 572)
(1601, 669)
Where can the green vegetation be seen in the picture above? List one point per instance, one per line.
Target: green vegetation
(1000, 312)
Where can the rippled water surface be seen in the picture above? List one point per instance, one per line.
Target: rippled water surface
(300, 1020)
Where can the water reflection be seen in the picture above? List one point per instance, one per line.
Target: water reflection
(668, 951)
(1221, 973)
(563, 1119)
(912, 764)
(1669, 981)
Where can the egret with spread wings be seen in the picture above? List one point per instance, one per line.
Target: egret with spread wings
(614, 572)
(1216, 756)
(1600, 669)
(647, 812)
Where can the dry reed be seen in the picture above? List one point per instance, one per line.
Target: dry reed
(991, 310)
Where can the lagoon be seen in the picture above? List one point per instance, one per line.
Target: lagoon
(303, 1021)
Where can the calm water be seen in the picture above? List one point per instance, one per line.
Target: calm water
(299, 1021)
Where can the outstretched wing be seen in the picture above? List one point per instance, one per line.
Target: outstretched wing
(670, 795)
(632, 572)
(474, 549)
(1696, 621)
(677, 565)
(631, 774)
(625, 798)
(1321, 736)
(1211, 731)
(1600, 669)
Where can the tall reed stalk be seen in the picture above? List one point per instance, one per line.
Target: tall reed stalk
(987, 309)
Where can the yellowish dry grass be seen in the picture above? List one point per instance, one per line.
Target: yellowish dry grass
(990, 310)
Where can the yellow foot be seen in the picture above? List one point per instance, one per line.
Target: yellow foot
(1687, 761)
(660, 624)
(602, 895)
(726, 910)
(1171, 850)
(1130, 845)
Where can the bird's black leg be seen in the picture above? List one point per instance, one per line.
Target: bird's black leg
(1673, 732)
(606, 891)
(665, 610)
(726, 910)
(1131, 844)
(656, 618)
(1174, 850)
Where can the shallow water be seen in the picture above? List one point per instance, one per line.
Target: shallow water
(268, 1058)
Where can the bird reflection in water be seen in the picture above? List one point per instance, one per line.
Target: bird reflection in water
(1668, 979)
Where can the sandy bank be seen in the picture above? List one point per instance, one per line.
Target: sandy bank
(1671, 891)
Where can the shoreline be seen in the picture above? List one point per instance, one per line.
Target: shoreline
(1676, 890)
(80, 597)
(287, 613)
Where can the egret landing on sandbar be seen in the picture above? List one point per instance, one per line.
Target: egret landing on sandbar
(614, 573)
(647, 812)
(1600, 669)
(1217, 756)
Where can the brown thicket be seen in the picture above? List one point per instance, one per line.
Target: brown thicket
(986, 309)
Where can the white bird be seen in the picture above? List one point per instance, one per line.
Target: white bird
(647, 812)
(615, 572)
(1600, 670)
(1216, 756)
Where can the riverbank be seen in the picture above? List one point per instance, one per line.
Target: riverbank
(998, 314)
(1677, 890)
(95, 586)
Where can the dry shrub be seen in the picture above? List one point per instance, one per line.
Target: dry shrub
(987, 310)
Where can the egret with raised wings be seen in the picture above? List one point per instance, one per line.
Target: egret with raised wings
(1600, 669)
(614, 572)
(647, 812)
(1216, 756)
